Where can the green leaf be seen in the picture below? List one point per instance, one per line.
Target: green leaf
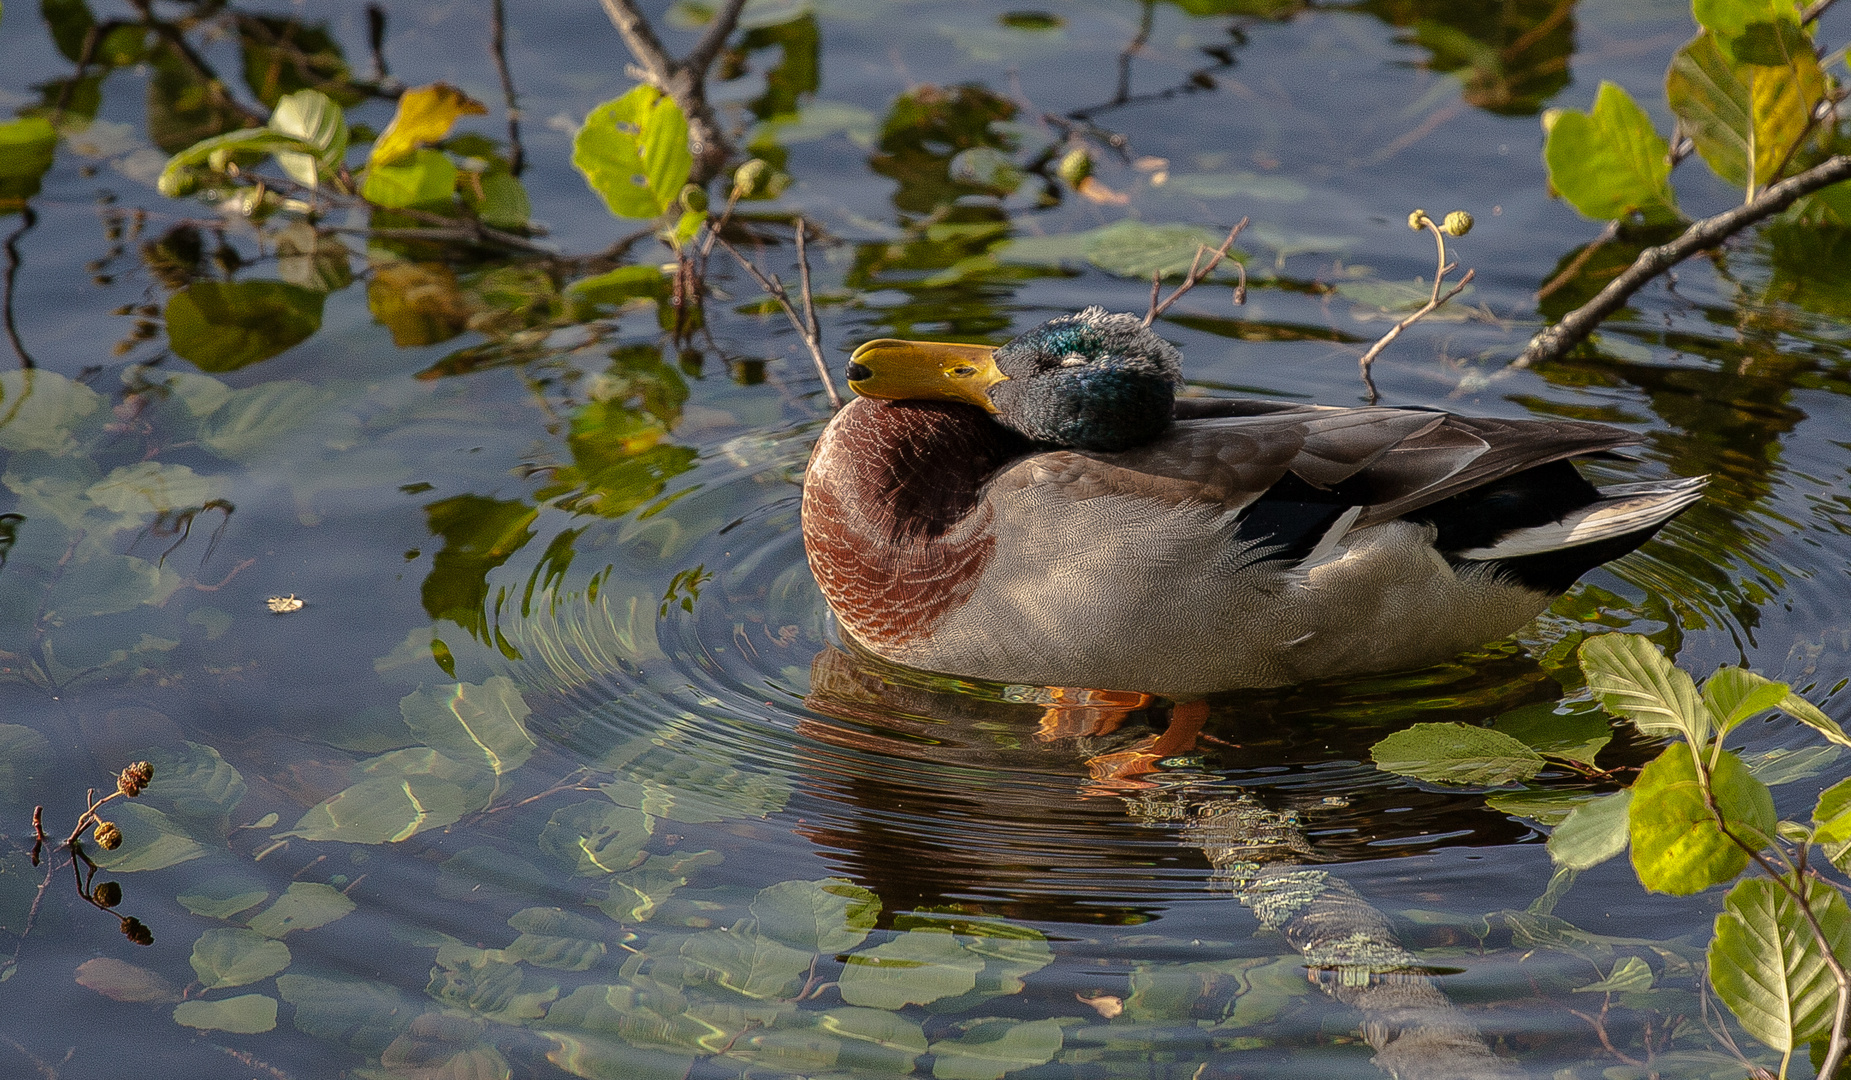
(621, 285)
(554, 938)
(916, 967)
(1833, 814)
(1807, 713)
(226, 325)
(1728, 18)
(875, 1041)
(250, 421)
(484, 982)
(828, 916)
(1547, 806)
(1610, 162)
(633, 151)
(636, 894)
(1593, 832)
(249, 1014)
(150, 841)
(1769, 969)
(746, 962)
(1630, 974)
(1744, 104)
(1456, 754)
(318, 121)
(1676, 846)
(1631, 677)
(236, 958)
(305, 905)
(1781, 766)
(358, 1013)
(426, 179)
(991, 1046)
(199, 788)
(175, 180)
(152, 487)
(1574, 736)
(596, 837)
(498, 198)
(1129, 248)
(221, 898)
(1734, 694)
(397, 796)
(476, 724)
(40, 410)
(27, 146)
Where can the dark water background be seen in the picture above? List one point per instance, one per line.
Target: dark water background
(407, 497)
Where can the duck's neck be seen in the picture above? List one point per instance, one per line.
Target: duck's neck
(893, 518)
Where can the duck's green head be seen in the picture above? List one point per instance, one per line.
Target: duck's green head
(1092, 381)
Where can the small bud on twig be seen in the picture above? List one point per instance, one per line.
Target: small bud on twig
(107, 836)
(1458, 223)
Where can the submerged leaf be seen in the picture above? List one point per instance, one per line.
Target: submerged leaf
(226, 325)
(248, 1014)
(991, 1046)
(236, 957)
(474, 723)
(917, 967)
(121, 981)
(305, 905)
(828, 916)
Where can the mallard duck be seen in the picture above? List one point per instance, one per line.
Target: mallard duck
(1049, 512)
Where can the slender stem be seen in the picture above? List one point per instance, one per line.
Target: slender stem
(1428, 308)
(803, 283)
(1574, 328)
(1197, 274)
(1811, 14)
(776, 289)
(27, 219)
(498, 45)
(701, 57)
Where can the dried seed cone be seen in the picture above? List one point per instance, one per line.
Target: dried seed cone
(134, 778)
(107, 836)
(1418, 220)
(136, 930)
(108, 894)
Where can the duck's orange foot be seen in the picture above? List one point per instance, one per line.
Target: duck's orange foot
(1118, 772)
(1071, 712)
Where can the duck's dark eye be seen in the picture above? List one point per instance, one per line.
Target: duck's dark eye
(964, 371)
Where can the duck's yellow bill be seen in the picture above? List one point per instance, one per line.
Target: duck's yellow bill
(942, 371)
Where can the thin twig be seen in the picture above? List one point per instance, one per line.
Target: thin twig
(1811, 14)
(812, 331)
(1197, 275)
(498, 45)
(27, 220)
(1428, 308)
(775, 288)
(685, 81)
(1574, 328)
(1600, 1028)
(376, 41)
(216, 90)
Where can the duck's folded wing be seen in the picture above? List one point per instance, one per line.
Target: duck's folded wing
(1299, 478)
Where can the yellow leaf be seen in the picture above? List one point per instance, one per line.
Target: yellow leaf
(425, 115)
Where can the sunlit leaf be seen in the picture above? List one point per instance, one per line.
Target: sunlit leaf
(1610, 162)
(1593, 832)
(467, 722)
(596, 837)
(358, 1013)
(121, 981)
(1750, 107)
(746, 962)
(828, 916)
(1573, 736)
(1833, 814)
(1545, 806)
(27, 146)
(988, 1047)
(1807, 713)
(1734, 694)
(1629, 974)
(396, 796)
(1676, 846)
(226, 325)
(916, 967)
(230, 957)
(426, 178)
(150, 841)
(176, 180)
(247, 1014)
(425, 115)
(1769, 969)
(554, 938)
(305, 905)
(1631, 677)
(317, 120)
(1728, 18)
(633, 151)
(605, 1032)
(1456, 754)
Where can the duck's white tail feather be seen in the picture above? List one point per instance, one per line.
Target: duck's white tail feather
(1622, 509)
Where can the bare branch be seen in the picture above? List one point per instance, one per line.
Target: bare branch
(642, 41)
(1574, 328)
(498, 46)
(1810, 15)
(1428, 308)
(700, 58)
(27, 219)
(1197, 274)
(776, 289)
